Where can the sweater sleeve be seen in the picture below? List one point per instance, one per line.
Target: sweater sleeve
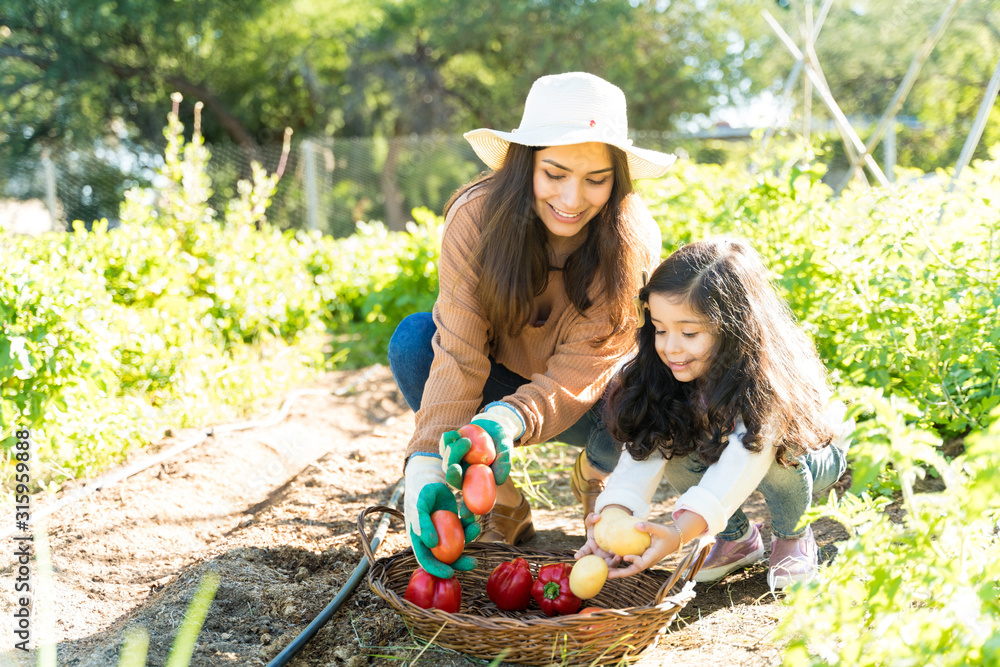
(461, 365)
(727, 483)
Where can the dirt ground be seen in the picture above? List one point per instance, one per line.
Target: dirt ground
(273, 510)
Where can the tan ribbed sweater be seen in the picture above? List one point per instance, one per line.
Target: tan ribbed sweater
(567, 373)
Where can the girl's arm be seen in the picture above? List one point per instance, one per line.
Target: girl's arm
(706, 507)
(727, 483)
(632, 484)
(629, 487)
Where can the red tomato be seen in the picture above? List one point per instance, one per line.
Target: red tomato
(589, 610)
(482, 450)
(428, 592)
(451, 536)
(479, 488)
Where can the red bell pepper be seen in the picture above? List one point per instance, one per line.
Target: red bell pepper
(551, 590)
(429, 592)
(509, 585)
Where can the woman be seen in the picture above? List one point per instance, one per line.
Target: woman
(541, 260)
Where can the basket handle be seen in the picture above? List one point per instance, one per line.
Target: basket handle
(365, 542)
(697, 553)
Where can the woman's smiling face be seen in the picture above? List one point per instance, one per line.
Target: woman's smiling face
(684, 338)
(571, 184)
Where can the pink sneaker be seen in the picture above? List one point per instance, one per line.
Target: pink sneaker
(792, 560)
(726, 557)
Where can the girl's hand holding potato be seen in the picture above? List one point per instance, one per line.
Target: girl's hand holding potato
(664, 540)
(643, 543)
(590, 546)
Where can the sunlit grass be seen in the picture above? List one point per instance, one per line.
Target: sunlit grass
(535, 469)
(194, 618)
(135, 647)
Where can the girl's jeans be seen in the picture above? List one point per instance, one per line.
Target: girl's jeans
(410, 357)
(787, 491)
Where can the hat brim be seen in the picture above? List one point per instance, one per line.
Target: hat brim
(491, 147)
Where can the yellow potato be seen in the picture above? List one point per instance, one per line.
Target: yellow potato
(616, 533)
(615, 513)
(588, 576)
(608, 517)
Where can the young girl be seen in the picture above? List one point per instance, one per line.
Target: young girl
(725, 395)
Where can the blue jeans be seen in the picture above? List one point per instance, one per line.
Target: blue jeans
(787, 491)
(410, 357)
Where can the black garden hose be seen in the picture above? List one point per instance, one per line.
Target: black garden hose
(352, 583)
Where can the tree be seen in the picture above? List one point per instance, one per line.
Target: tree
(98, 77)
(74, 74)
(388, 67)
(447, 64)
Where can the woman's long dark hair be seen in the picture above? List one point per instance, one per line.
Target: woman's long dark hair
(763, 368)
(513, 252)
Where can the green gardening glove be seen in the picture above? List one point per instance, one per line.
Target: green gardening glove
(502, 423)
(468, 519)
(425, 494)
(453, 448)
(505, 425)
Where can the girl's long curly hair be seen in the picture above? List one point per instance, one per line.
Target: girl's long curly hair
(763, 368)
(513, 251)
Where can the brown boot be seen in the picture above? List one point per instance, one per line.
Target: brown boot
(510, 525)
(585, 490)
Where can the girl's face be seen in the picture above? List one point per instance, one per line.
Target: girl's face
(684, 338)
(571, 184)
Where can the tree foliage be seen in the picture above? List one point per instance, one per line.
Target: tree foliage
(454, 64)
(77, 71)
(72, 73)
(385, 68)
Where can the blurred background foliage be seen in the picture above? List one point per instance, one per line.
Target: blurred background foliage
(74, 73)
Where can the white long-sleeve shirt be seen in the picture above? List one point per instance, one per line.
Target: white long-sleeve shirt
(725, 486)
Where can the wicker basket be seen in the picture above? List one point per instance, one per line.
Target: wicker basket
(639, 608)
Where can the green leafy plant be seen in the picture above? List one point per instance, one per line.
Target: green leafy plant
(179, 316)
(920, 589)
(900, 291)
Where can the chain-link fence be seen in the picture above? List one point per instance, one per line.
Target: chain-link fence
(328, 184)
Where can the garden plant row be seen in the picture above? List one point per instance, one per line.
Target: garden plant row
(109, 336)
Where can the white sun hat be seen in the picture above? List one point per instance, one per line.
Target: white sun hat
(571, 108)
